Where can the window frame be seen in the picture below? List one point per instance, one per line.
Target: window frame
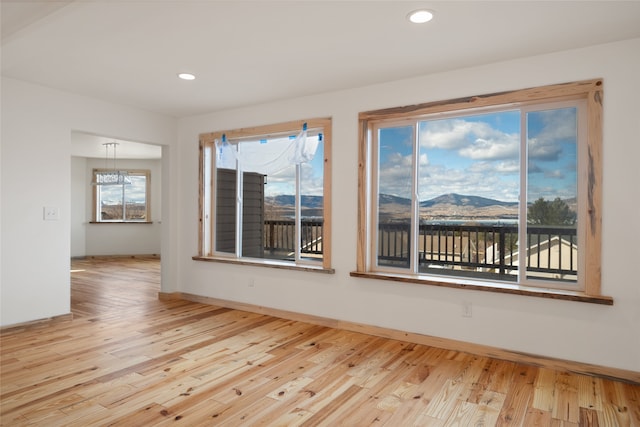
(132, 172)
(591, 91)
(207, 186)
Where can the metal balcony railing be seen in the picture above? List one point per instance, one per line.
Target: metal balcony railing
(551, 251)
(485, 249)
(279, 236)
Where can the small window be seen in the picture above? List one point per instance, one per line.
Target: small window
(124, 198)
(489, 190)
(265, 194)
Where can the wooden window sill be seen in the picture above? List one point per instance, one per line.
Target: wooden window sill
(267, 263)
(120, 222)
(504, 288)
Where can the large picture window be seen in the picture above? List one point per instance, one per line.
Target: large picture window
(124, 200)
(493, 191)
(265, 194)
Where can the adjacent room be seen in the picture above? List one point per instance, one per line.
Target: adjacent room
(319, 213)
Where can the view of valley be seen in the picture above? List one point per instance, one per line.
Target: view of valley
(448, 207)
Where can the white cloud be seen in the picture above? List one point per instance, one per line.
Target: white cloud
(554, 174)
(448, 134)
(311, 184)
(283, 182)
(543, 149)
(503, 167)
(483, 149)
(556, 127)
(474, 140)
(395, 175)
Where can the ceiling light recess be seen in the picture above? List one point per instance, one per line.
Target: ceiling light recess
(420, 16)
(186, 76)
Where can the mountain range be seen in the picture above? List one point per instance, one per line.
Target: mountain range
(448, 199)
(450, 205)
(445, 199)
(314, 202)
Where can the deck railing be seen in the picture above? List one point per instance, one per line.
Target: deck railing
(491, 248)
(551, 251)
(279, 236)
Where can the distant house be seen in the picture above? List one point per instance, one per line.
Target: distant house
(436, 249)
(557, 255)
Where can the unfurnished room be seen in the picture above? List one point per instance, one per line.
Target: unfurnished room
(319, 213)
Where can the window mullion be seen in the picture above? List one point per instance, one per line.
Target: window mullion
(208, 165)
(124, 204)
(523, 202)
(98, 204)
(298, 226)
(372, 233)
(238, 210)
(415, 203)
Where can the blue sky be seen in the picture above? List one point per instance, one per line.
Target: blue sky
(479, 155)
(471, 155)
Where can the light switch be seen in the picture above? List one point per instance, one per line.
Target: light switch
(51, 213)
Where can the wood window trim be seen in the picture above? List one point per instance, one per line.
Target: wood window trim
(94, 204)
(282, 265)
(590, 90)
(502, 288)
(209, 138)
(120, 222)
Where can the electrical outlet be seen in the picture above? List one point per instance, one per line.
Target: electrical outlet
(252, 282)
(51, 213)
(466, 309)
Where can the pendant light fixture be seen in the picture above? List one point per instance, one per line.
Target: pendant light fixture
(111, 176)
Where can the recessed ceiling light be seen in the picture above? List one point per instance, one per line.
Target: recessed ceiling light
(420, 16)
(186, 76)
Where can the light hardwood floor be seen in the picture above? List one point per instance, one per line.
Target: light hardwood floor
(128, 358)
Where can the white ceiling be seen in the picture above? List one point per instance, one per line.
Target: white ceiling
(248, 52)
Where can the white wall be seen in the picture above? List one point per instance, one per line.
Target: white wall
(112, 239)
(602, 335)
(35, 172)
(78, 205)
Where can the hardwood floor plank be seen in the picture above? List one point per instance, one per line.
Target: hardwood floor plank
(588, 418)
(129, 358)
(282, 401)
(381, 387)
(590, 393)
(537, 418)
(632, 394)
(519, 397)
(145, 416)
(615, 406)
(330, 413)
(415, 407)
(471, 414)
(202, 413)
(566, 407)
(544, 390)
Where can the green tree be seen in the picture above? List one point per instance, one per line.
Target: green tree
(547, 212)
